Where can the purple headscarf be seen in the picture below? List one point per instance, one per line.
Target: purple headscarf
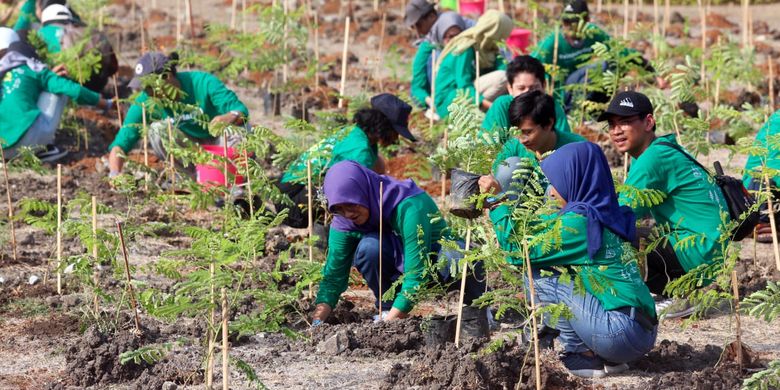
(350, 182)
(580, 173)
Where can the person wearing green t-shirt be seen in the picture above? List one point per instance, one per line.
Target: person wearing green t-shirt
(33, 99)
(523, 74)
(693, 208)
(411, 237)
(381, 124)
(754, 180)
(200, 98)
(613, 320)
(421, 15)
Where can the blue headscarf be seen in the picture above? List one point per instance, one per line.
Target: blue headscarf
(580, 173)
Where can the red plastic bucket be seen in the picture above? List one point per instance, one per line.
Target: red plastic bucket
(519, 40)
(471, 7)
(213, 174)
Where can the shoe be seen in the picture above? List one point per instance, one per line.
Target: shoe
(51, 154)
(611, 368)
(584, 366)
(674, 308)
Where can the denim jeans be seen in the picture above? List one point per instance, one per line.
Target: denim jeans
(44, 128)
(612, 335)
(366, 260)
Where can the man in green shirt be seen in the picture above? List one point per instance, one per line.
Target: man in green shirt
(421, 15)
(33, 99)
(693, 206)
(753, 179)
(192, 101)
(523, 74)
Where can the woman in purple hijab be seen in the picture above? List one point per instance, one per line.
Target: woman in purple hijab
(409, 239)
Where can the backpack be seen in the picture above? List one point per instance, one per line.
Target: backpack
(73, 33)
(738, 199)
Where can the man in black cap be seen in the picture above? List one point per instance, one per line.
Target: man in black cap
(421, 15)
(693, 204)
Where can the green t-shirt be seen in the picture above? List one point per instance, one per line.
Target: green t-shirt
(496, 123)
(772, 160)
(51, 34)
(692, 207)
(26, 16)
(568, 57)
(421, 87)
(612, 276)
(412, 213)
(19, 101)
(514, 148)
(344, 145)
(457, 72)
(201, 90)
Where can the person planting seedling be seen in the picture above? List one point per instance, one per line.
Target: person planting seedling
(33, 99)
(456, 67)
(409, 239)
(30, 13)
(523, 74)
(421, 15)
(190, 101)
(613, 321)
(691, 211)
(754, 179)
(381, 124)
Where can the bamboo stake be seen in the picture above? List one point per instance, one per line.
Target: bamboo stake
(745, 7)
(379, 56)
(625, 19)
(444, 172)
(95, 275)
(737, 321)
(317, 51)
(285, 66)
(501, 6)
(225, 369)
(211, 334)
(129, 279)
(751, 42)
(310, 210)
(143, 37)
(249, 187)
(771, 84)
(462, 296)
(635, 9)
(625, 166)
(655, 29)
(376, 5)
(146, 146)
(225, 166)
(116, 100)
(534, 328)
(556, 40)
(243, 16)
(535, 22)
(188, 8)
(344, 63)
(10, 202)
(667, 16)
(599, 6)
(233, 11)
(178, 21)
(381, 228)
(772, 223)
(172, 166)
(59, 228)
(434, 72)
(476, 80)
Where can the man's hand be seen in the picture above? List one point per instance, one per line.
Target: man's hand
(395, 314)
(60, 70)
(232, 117)
(321, 313)
(661, 82)
(486, 104)
(489, 184)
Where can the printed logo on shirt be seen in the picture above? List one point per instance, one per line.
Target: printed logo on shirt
(627, 103)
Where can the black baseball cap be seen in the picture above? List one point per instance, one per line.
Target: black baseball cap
(415, 10)
(396, 111)
(152, 62)
(628, 103)
(573, 10)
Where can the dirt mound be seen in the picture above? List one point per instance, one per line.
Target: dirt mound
(370, 339)
(670, 356)
(727, 376)
(467, 368)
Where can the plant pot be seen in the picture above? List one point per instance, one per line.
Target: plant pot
(474, 323)
(438, 330)
(519, 40)
(464, 186)
(476, 8)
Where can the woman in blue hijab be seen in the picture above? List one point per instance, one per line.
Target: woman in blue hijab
(613, 320)
(409, 237)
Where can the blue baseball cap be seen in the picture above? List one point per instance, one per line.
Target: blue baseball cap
(396, 111)
(152, 62)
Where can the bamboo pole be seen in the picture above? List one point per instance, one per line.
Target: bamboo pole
(535, 22)
(376, 5)
(344, 63)
(444, 172)
(178, 21)
(143, 36)
(599, 6)
(745, 7)
(751, 42)
(379, 53)
(434, 71)
(771, 84)
(172, 166)
(310, 210)
(626, 161)
(667, 16)
(635, 13)
(285, 66)
(129, 279)
(317, 51)
(462, 296)
(211, 333)
(10, 202)
(249, 187)
(188, 8)
(225, 346)
(233, 11)
(381, 232)
(625, 19)
(737, 321)
(476, 80)
(656, 31)
(225, 166)
(243, 16)
(116, 100)
(772, 222)
(59, 228)
(146, 146)
(538, 368)
(95, 274)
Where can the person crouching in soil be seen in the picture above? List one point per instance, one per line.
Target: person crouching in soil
(409, 241)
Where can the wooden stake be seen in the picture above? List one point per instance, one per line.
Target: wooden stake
(342, 88)
(178, 21)
(59, 228)
(635, 12)
(188, 8)
(95, 274)
(556, 41)
(772, 223)
(225, 369)
(434, 72)
(745, 27)
(143, 37)
(379, 53)
(249, 187)
(771, 84)
(146, 146)
(737, 322)
(599, 6)
(285, 66)
(211, 334)
(129, 279)
(534, 327)
(535, 22)
(625, 19)
(381, 232)
(462, 296)
(233, 11)
(444, 172)
(667, 16)
(310, 198)
(376, 5)
(225, 166)
(501, 6)
(172, 166)
(626, 160)
(476, 80)
(10, 202)
(243, 16)
(317, 51)
(116, 100)
(655, 29)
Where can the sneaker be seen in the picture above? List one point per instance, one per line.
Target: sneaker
(584, 366)
(611, 368)
(51, 154)
(674, 308)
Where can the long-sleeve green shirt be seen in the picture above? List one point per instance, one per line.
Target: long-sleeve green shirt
(26, 16)
(457, 72)
(201, 90)
(421, 87)
(692, 207)
(496, 123)
(772, 159)
(344, 145)
(19, 101)
(568, 57)
(611, 276)
(51, 34)
(412, 213)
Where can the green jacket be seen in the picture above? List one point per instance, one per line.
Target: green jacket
(514, 148)
(772, 160)
(26, 16)
(496, 123)
(19, 101)
(411, 216)
(457, 72)
(202, 90)
(344, 145)
(51, 34)
(421, 87)
(611, 276)
(568, 57)
(692, 207)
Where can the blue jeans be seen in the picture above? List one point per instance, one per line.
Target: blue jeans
(612, 335)
(366, 261)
